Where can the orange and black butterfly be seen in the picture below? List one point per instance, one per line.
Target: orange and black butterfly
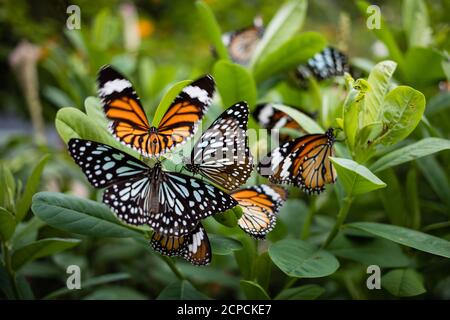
(270, 118)
(194, 247)
(303, 162)
(260, 205)
(242, 43)
(129, 123)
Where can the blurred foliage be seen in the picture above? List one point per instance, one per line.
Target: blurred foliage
(390, 206)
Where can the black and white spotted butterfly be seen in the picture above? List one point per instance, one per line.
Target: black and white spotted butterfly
(330, 62)
(170, 203)
(222, 154)
(194, 247)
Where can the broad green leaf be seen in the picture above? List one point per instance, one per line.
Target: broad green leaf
(392, 198)
(284, 25)
(7, 224)
(80, 216)
(89, 283)
(381, 252)
(356, 178)
(234, 83)
(407, 237)
(411, 152)
(403, 283)
(305, 292)
(23, 205)
(26, 232)
(289, 55)
(402, 110)
(212, 29)
(419, 59)
(253, 291)
(308, 124)
(167, 100)
(299, 259)
(72, 123)
(436, 177)
(39, 249)
(181, 290)
(379, 81)
(415, 22)
(223, 245)
(115, 293)
(437, 103)
(94, 110)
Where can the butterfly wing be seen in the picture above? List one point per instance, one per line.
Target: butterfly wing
(183, 201)
(194, 247)
(222, 154)
(128, 122)
(260, 206)
(182, 117)
(125, 178)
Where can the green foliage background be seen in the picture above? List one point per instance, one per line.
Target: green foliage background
(390, 206)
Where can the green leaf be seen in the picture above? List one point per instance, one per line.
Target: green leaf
(94, 111)
(403, 283)
(246, 257)
(7, 188)
(416, 23)
(308, 124)
(402, 110)
(289, 55)
(39, 249)
(419, 59)
(7, 224)
(392, 198)
(224, 245)
(436, 177)
(181, 290)
(115, 293)
(253, 291)
(284, 25)
(212, 29)
(411, 152)
(80, 216)
(167, 100)
(414, 217)
(356, 178)
(379, 81)
(23, 205)
(263, 270)
(407, 237)
(89, 283)
(229, 218)
(306, 292)
(381, 252)
(234, 83)
(299, 259)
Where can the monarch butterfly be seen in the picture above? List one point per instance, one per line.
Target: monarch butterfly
(130, 125)
(170, 203)
(330, 62)
(260, 205)
(303, 162)
(270, 118)
(242, 43)
(194, 247)
(222, 154)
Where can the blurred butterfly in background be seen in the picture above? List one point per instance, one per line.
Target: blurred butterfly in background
(222, 154)
(269, 117)
(194, 247)
(170, 203)
(303, 162)
(129, 123)
(242, 43)
(328, 63)
(260, 205)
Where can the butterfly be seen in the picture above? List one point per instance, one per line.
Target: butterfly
(170, 203)
(270, 118)
(194, 247)
(129, 123)
(242, 43)
(328, 63)
(222, 154)
(260, 205)
(303, 162)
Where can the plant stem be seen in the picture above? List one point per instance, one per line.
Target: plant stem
(173, 267)
(342, 214)
(10, 271)
(290, 283)
(309, 219)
